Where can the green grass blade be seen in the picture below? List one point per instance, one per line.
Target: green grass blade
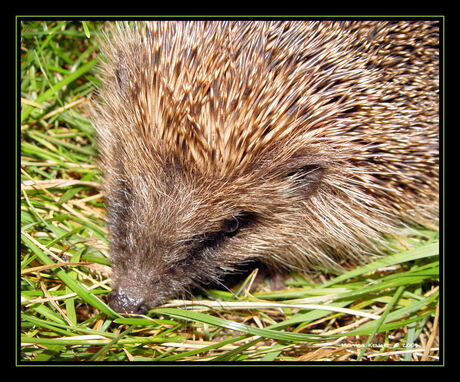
(204, 349)
(427, 250)
(205, 318)
(56, 87)
(74, 285)
(381, 320)
(395, 315)
(234, 353)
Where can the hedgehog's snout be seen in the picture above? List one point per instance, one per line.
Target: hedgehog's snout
(121, 301)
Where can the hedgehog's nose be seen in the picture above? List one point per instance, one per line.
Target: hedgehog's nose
(122, 302)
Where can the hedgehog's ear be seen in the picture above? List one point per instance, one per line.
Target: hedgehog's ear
(306, 178)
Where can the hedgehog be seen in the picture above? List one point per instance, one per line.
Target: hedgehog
(294, 144)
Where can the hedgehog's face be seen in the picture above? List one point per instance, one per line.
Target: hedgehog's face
(176, 233)
(146, 277)
(162, 249)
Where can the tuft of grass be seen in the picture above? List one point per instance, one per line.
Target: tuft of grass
(387, 310)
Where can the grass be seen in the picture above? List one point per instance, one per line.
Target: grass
(387, 310)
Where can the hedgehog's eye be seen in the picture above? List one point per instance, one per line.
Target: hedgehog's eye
(230, 225)
(242, 219)
(229, 228)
